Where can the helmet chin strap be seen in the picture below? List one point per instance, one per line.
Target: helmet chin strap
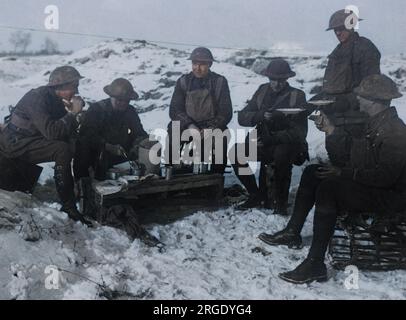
(371, 107)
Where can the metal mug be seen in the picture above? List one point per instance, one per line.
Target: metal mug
(196, 168)
(204, 168)
(168, 173)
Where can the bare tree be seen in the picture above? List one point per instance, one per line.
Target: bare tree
(20, 40)
(50, 46)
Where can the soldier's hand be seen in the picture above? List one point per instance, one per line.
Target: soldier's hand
(75, 105)
(115, 149)
(195, 131)
(328, 171)
(324, 124)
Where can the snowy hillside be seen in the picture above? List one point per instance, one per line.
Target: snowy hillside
(208, 255)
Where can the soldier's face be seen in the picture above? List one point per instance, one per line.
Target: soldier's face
(68, 91)
(342, 34)
(119, 104)
(277, 85)
(365, 105)
(201, 69)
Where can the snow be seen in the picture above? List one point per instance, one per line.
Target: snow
(208, 255)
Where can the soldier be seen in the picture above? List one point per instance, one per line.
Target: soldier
(353, 59)
(282, 138)
(374, 180)
(310, 180)
(42, 127)
(111, 131)
(201, 100)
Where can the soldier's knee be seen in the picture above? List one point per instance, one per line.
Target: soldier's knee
(328, 189)
(63, 151)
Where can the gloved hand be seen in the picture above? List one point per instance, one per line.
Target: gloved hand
(115, 149)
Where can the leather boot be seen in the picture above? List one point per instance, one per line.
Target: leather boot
(308, 271)
(64, 187)
(286, 237)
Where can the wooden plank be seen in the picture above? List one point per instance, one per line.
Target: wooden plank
(162, 188)
(180, 183)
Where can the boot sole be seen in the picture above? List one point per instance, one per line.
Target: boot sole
(312, 279)
(290, 246)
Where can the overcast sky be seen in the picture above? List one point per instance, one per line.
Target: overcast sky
(230, 23)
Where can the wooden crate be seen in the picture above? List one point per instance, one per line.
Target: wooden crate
(369, 242)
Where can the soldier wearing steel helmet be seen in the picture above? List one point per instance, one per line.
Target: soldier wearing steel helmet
(281, 138)
(373, 180)
(354, 58)
(201, 100)
(110, 131)
(41, 128)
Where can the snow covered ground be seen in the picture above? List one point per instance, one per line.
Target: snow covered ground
(208, 255)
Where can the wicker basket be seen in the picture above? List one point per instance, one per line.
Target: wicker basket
(369, 242)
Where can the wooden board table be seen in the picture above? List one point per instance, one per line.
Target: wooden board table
(209, 184)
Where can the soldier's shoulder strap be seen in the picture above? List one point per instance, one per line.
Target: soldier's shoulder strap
(293, 98)
(261, 95)
(218, 86)
(183, 83)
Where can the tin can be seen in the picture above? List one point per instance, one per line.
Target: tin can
(166, 172)
(204, 168)
(196, 168)
(163, 172)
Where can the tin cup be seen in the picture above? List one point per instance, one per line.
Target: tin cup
(166, 172)
(204, 168)
(196, 168)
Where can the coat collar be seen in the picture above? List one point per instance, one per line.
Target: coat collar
(376, 121)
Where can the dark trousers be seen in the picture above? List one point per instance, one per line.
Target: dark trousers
(60, 152)
(280, 158)
(89, 156)
(215, 168)
(334, 196)
(305, 197)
